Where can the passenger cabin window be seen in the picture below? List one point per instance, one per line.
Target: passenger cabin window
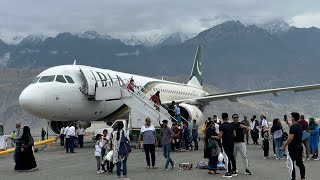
(69, 79)
(61, 79)
(35, 80)
(47, 79)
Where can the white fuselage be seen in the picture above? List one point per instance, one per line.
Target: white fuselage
(59, 101)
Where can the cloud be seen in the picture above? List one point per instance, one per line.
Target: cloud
(123, 18)
(306, 20)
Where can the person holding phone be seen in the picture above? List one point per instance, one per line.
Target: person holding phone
(294, 144)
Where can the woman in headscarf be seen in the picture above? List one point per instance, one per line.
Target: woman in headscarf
(212, 148)
(25, 159)
(314, 138)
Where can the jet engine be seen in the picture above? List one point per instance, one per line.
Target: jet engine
(191, 111)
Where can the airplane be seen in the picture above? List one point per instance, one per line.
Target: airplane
(63, 94)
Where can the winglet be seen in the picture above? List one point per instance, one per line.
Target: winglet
(196, 73)
(75, 62)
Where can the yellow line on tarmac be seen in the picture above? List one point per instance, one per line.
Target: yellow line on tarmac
(35, 144)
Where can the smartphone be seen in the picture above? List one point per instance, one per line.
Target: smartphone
(285, 118)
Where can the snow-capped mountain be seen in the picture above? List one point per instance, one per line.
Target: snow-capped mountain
(93, 35)
(158, 39)
(33, 39)
(176, 38)
(133, 41)
(12, 40)
(275, 26)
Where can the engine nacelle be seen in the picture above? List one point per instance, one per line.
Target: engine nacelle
(56, 126)
(191, 111)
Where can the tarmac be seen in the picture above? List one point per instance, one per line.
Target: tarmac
(54, 163)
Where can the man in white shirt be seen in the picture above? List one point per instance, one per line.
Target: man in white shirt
(80, 134)
(71, 133)
(66, 144)
(254, 131)
(62, 136)
(148, 132)
(264, 122)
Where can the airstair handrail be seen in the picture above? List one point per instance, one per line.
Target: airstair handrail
(167, 107)
(143, 97)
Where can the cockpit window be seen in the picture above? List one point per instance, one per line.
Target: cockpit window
(69, 79)
(46, 79)
(35, 80)
(61, 79)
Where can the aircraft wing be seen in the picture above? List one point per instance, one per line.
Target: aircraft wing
(232, 96)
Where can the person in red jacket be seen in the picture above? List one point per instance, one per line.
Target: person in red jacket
(156, 99)
(131, 85)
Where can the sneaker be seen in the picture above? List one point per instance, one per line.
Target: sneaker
(247, 172)
(266, 157)
(227, 175)
(100, 171)
(167, 169)
(234, 173)
(277, 158)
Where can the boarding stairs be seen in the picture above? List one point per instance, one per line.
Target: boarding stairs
(115, 89)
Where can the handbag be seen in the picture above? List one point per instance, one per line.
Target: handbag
(108, 156)
(124, 148)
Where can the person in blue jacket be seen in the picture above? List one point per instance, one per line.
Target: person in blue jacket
(313, 129)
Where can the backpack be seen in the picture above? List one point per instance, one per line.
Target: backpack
(124, 148)
(202, 165)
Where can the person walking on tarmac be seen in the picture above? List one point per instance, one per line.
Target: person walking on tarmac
(227, 133)
(62, 136)
(148, 132)
(166, 137)
(71, 134)
(43, 134)
(80, 134)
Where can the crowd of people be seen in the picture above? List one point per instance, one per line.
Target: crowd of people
(69, 134)
(226, 136)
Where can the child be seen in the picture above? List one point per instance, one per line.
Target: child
(97, 152)
(104, 141)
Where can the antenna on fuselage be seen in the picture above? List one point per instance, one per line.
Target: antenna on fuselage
(75, 62)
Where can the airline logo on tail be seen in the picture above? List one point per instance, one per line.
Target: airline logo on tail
(196, 73)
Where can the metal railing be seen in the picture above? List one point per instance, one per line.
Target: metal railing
(167, 107)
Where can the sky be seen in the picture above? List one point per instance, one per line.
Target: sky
(124, 18)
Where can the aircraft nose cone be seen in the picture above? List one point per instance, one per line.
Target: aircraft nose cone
(32, 100)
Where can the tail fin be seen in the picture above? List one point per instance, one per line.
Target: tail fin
(196, 73)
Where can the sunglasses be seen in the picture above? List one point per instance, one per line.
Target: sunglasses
(235, 117)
